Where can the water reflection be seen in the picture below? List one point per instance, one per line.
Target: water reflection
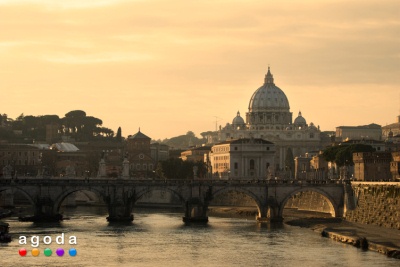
(161, 239)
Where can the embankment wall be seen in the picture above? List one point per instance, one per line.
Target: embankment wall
(376, 203)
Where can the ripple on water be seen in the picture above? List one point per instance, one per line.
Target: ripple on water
(161, 239)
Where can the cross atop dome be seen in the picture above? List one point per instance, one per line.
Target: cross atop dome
(269, 79)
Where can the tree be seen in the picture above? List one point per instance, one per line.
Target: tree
(105, 132)
(343, 155)
(75, 120)
(174, 168)
(183, 141)
(289, 162)
(190, 134)
(118, 137)
(20, 117)
(80, 126)
(329, 154)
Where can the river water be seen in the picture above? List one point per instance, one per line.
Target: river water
(159, 238)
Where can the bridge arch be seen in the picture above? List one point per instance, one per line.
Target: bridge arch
(26, 194)
(333, 206)
(140, 194)
(60, 198)
(245, 191)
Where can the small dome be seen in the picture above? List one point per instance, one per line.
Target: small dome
(300, 120)
(312, 126)
(238, 121)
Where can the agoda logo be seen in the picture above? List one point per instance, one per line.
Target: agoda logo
(47, 240)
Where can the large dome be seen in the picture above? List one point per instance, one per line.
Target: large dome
(268, 97)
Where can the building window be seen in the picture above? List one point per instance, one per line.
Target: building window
(236, 148)
(236, 165)
(303, 167)
(311, 135)
(137, 166)
(144, 167)
(150, 166)
(267, 147)
(252, 164)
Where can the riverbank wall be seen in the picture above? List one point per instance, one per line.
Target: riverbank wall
(375, 203)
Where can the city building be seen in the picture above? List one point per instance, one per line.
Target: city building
(195, 153)
(391, 135)
(395, 166)
(64, 159)
(269, 118)
(242, 158)
(392, 129)
(138, 150)
(377, 145)
(372, 166)
(159, 152)
(366, 132)
(21, 159)
(311, 166)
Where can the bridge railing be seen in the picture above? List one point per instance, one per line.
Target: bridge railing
(129, 181)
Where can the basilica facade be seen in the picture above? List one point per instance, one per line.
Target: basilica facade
(269, 118)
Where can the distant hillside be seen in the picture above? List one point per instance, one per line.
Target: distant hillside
(183, 141)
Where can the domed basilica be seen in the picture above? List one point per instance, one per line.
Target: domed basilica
(269, 118)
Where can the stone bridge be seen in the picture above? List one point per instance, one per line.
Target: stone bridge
(47, 194)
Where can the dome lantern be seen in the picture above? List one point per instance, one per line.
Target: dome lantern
(269, 79)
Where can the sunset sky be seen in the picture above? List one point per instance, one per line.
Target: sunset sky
(173, 66)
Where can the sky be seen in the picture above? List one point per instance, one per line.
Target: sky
(170, 66)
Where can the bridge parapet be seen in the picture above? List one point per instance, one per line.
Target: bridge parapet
(85, 180)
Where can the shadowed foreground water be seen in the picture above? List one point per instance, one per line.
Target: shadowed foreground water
(159, 238)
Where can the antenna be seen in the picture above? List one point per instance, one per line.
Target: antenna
(217, 119)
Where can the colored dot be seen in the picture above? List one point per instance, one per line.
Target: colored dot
(35, 252)
(47, 252)
(22, 252)
(60, 252)
(72, 252)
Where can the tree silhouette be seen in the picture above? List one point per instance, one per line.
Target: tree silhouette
(289, 162)
(119, 135)
(343, 154)
(82, 127)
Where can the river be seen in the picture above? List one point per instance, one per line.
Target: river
(159, 238)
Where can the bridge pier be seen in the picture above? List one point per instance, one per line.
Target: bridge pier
(195, 211)
(120, 206)
(43, 212)
(269, 212)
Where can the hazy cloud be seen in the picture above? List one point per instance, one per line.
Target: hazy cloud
(198, 59)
